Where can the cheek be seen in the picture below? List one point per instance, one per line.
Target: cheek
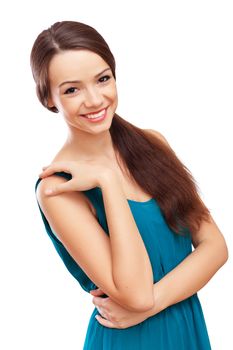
(70, 104)
(115, 97)
(113, 94)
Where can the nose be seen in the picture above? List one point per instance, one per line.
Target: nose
(93, 98)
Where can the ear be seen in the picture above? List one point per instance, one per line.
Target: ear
(50, 102)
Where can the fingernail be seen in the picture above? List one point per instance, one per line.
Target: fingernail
(48, 191)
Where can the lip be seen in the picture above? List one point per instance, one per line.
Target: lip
(94, 112)
(97, 119)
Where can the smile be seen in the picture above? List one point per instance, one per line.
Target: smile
(94, 113)
(100, 115)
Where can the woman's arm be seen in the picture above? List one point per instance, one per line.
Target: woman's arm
(198, 268)
(132, 271)
(195, 270)
(183, 281)
(117, 263)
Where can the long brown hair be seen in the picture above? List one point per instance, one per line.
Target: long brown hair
(150, 162)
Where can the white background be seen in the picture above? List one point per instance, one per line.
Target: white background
(174, 74)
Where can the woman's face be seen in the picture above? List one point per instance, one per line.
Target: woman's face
(82, 83)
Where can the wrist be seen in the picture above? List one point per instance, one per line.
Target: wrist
(107, 178)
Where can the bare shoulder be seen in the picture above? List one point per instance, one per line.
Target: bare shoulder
(62, 155)
(158, 135)
(47, 182)
(53, 181)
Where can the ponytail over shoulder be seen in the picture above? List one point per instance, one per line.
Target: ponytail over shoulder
(154, 166)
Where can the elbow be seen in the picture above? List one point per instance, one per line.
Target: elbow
(220, 250)
(141, 305)
(224, 253)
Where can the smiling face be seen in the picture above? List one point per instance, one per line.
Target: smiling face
(83, 89)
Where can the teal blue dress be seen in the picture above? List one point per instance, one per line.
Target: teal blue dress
(180, 326)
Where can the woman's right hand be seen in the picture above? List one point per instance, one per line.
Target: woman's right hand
(85, 175)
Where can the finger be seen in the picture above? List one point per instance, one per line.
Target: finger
(61, 188)
(94, 290)
(100, 311)
(100, 301)
(94, 301)
(55, 167)
(97, 292)
(105, 322)
(45, 167)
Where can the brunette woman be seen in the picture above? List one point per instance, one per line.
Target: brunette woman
(121, 209)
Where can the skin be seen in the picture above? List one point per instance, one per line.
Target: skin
(113, 315)
(87, 140)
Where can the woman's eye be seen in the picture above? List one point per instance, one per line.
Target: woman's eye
(70, 90)
(105, 78)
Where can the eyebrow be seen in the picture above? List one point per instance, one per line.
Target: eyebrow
(79, 81)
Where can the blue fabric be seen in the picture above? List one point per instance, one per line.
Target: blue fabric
(180, 326)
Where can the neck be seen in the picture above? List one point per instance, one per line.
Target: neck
(90, 146)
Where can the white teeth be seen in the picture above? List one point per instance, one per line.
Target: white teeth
(97, 115)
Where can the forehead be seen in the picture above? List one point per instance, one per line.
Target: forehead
(75, 64)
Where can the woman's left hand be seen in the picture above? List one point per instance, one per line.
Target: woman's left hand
(113, 315)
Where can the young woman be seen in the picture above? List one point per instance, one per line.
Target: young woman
(120, 208)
